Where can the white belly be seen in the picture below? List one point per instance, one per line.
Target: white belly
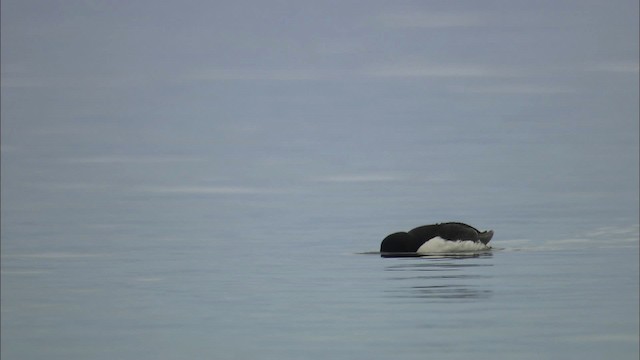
(438, 245)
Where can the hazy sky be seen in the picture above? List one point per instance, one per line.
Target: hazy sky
(511, 101)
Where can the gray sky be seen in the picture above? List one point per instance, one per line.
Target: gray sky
(500, 101)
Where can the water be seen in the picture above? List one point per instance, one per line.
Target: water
(209, 179)
(253, 278)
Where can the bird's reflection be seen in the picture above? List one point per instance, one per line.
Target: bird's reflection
(441, 278)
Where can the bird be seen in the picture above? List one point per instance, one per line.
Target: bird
(410, 242)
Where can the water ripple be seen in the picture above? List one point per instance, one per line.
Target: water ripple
(442, 279)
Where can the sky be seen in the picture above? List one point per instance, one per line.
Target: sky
(466, 103)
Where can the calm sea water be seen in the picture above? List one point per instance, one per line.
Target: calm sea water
(244, 277)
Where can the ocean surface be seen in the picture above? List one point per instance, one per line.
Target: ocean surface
(211, 180)
(270, 275)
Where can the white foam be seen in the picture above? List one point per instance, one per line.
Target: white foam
(438, 245)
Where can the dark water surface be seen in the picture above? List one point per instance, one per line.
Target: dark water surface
(300, 292)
